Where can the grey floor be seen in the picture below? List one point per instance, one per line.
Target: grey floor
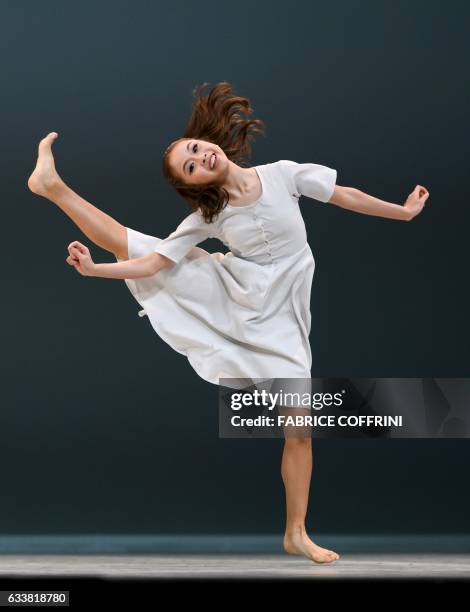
(236, 566)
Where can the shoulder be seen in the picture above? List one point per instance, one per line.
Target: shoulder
(289, 167)
(285, 168)
(284, 165)
(292, 170)
(195, 218)
(197, 221)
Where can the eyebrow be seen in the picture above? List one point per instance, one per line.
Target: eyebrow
(187, 149)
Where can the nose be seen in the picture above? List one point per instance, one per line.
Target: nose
(202, 157)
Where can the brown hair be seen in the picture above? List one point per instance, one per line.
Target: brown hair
(222, 118)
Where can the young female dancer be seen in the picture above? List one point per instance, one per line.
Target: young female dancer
(240, 315)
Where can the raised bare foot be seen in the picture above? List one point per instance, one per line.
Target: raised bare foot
(298, 543)
(44, 177)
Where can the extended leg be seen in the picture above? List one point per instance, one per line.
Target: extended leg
(99, 227)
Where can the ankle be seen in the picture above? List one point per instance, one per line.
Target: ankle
(295, 529)
(55, 188)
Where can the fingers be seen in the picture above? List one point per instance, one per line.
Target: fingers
(74, 263)
(79, 256)
(76, 254)
(72, 258)
(421, 190)
(78, 251)
(421, 193)
(78, 245)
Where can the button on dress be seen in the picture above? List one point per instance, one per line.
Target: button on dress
(244, 314)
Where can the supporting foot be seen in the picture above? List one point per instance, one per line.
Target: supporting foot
(298, 543)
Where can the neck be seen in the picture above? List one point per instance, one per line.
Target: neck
(238, 181)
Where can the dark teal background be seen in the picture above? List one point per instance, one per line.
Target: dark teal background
(105, 429)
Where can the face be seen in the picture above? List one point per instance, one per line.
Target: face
(198, 162)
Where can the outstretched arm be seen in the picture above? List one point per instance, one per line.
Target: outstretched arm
(140, 267)
(358, 201)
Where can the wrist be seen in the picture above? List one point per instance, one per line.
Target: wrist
(93, 270)
(408, 215)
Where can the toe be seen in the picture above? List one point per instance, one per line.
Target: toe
(47, 140)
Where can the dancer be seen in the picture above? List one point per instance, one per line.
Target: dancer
(244, 314)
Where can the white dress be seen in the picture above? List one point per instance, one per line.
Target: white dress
(244, 314)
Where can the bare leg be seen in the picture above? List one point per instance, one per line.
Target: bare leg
(296, 470)
(99, 227)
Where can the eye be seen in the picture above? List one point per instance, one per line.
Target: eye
(194, 150)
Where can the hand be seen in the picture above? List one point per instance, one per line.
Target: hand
(80, 258)
(416, 200)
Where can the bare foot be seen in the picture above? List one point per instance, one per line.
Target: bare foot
(298, 543)
(44, 177)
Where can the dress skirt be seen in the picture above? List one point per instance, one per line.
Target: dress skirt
(230, 317)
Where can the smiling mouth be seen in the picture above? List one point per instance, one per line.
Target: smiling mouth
(212, 161)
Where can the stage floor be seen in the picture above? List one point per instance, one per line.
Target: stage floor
(246, 566)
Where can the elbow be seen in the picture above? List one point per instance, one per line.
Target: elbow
(344, 197)
(156, 263)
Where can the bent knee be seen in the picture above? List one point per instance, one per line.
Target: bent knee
(121, 255)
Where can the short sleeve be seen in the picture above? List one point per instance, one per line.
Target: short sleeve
(191, 231)
(311, 180)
